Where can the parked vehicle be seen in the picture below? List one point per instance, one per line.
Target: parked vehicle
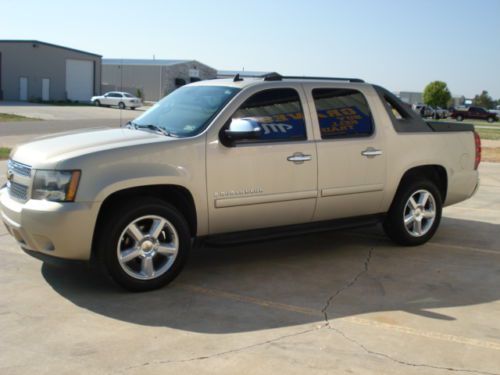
(496, 112)
(474, 113)
(118, 99)
(424, 110)
(226, 161)
(440, 113)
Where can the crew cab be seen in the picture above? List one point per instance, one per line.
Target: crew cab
(232, 160)
(474, 113)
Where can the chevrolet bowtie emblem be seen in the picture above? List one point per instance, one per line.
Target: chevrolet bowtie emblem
(10, 175)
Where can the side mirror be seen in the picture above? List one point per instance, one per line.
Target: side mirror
(243, 128)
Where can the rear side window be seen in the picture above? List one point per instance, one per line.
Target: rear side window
(278, 112)
(342, 113)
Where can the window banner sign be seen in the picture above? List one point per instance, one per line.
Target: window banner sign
(281, 126)
(344, 121)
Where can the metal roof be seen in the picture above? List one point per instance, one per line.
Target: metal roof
(156, 62)
(47, 44)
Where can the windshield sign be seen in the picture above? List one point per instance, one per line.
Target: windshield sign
(188, 110)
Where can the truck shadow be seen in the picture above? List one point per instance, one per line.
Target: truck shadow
(288, 282)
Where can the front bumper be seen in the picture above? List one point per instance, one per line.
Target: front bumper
(61, 230)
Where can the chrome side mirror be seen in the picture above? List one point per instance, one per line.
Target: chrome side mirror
(243, 128)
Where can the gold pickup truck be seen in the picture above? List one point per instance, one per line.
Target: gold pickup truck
(236, 160)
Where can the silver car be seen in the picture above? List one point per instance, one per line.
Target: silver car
(119, 99)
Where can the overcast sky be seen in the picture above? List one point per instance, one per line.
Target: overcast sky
(399, 44)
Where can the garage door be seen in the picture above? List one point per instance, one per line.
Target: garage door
(79, 79)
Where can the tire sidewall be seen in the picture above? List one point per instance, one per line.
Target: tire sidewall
(114, 227)
(394, 223)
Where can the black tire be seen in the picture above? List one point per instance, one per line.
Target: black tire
(491, 119)
(121, 105)
(132, 108)
(394, 225)
(113, 228)
(97, 103)
(460, 118)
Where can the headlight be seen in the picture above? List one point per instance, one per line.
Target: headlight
(57, 186)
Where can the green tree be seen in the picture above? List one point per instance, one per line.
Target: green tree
(483, 100)
(437, 94)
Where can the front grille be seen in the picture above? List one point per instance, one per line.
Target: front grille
(19, 168)
(17, 191)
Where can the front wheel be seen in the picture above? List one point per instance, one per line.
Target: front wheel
(144, 244)
(415, 213)
(97, 103)
(490, 119)
(460, 118)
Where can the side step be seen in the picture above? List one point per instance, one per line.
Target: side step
(259, 235)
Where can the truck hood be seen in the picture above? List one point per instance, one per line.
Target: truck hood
(45, 152)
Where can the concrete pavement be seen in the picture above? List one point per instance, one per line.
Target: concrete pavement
(331, 303)
(62, 112)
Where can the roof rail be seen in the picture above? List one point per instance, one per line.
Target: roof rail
(278, 77)
(326, 78)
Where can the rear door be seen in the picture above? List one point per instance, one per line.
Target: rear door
(271, 181)
(351, 158)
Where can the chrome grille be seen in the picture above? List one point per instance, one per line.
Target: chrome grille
(17, 191)
(19, 168)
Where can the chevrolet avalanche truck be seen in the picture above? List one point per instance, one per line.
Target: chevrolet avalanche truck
(233, 160)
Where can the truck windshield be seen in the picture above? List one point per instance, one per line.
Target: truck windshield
(188, 110)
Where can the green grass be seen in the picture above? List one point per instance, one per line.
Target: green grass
(484, 133)
(489, 133)
(4, 153)
(7, 117)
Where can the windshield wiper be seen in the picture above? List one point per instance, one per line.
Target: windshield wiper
(156, 128)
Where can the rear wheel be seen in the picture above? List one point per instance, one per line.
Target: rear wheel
(460, 118)
(144, 244)
(415, 213)
(121, 105)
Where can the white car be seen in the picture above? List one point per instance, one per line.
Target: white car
(119, 99)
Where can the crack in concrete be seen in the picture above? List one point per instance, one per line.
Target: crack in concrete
(328, 304)
(219, 354)
(353, 281)
(406, 363)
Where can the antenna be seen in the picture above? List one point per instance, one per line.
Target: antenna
(237, 78)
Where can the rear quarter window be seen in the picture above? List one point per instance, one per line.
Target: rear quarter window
(342, 113)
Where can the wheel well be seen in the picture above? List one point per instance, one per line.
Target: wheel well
(177, 196)
(435, 173)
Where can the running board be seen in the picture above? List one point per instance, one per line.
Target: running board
(259, 235)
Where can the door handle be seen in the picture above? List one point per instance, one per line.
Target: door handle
(371, 152)
(299, 158)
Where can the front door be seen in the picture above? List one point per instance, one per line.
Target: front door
(23, 88)
(351, 158)
(265, 182)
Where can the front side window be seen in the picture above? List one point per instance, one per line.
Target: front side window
(278, 112)
(188, 110)
(342, 113)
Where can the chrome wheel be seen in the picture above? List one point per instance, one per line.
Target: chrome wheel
(147, 247)
(419, 213)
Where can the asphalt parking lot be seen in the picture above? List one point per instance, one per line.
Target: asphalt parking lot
(338, 302)
(55, 119)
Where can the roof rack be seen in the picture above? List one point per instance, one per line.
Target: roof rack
(326, 78)
(278, 77)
